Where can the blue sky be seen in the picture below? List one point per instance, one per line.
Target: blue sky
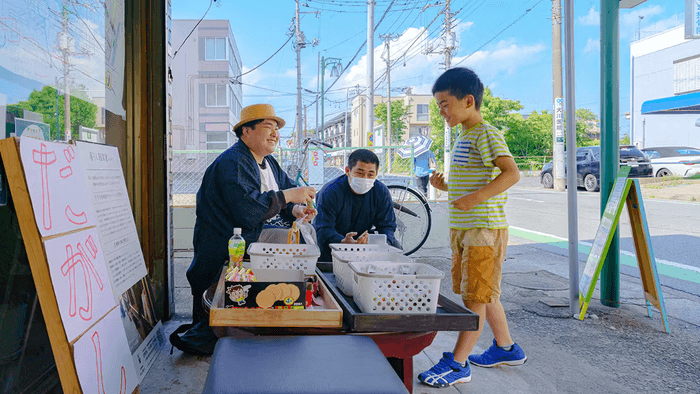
(508, 46)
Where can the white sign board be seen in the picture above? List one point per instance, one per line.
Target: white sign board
(315, 165)
(105, 181)
(102, 358)
(80, 280)
(60, 199)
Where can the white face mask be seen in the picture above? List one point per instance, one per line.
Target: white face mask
(361, 185)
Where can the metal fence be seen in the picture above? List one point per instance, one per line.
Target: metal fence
(321, 166)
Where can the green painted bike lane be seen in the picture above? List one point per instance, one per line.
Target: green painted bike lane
(670, 269)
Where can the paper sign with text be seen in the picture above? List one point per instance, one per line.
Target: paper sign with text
(80, 280)
(105, 180)
(102, 358)
(60, 199)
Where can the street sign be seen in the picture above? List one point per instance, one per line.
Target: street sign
(629, 191)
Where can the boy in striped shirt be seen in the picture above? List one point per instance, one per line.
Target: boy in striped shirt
(482, 169)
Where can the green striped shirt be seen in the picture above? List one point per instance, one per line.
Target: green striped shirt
(471, 169)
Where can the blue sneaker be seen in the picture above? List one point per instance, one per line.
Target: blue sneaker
(446, 372)
(496, 356)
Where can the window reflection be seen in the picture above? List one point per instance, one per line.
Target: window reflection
(61, 77)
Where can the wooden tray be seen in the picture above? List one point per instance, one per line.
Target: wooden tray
(330, 317)
(448, 317)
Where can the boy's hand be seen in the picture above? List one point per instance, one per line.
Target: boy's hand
(466, 202)
(437, 179)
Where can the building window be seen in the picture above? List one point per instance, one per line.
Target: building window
(216, 95)
(422, 112)
(215, 49)
(218, 135)
(686, 75)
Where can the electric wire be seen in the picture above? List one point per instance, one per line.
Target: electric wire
(193, 29)
(527, 11)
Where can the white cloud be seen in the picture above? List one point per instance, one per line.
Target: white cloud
(590, 19)
(506, 57)
(592, 46)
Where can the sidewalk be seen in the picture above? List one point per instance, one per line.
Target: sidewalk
(614, 350)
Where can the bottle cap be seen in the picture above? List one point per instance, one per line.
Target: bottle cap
(237, 231)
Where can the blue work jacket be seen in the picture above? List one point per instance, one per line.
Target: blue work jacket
(341, 211)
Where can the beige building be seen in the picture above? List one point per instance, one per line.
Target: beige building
(417, 122)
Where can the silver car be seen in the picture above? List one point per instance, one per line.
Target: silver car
(681, 161)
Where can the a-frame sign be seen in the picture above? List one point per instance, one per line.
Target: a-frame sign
(629, 191)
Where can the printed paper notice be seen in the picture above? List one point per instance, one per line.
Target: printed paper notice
(103, 360)
(104, 177)
(79, 277)
(59, 197)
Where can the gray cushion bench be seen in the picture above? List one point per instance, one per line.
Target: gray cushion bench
(301, 364)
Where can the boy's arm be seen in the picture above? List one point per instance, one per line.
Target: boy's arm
(509, 176)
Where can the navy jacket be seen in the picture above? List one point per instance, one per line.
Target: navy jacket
(341, 211)
(230, 197)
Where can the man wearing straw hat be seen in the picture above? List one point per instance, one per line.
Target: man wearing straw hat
(244, 187)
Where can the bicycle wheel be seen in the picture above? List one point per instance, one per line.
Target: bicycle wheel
(413, 217)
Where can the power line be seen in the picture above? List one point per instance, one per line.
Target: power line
(266, 60)
(499, 33)
(193, 29)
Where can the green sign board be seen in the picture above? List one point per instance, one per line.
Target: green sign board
(629, 191)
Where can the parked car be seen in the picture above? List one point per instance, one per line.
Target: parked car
(680, 161)
(588, 166)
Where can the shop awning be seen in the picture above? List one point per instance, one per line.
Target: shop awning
(688, 103)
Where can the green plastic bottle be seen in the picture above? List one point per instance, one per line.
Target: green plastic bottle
(236, 249)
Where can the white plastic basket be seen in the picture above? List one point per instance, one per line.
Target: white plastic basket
(364, 248)
(343, 273)
(411, 288)
(284, 256)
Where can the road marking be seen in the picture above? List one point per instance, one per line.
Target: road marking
(664, 267)
(524, 199)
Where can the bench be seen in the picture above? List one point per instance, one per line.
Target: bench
(301, 364)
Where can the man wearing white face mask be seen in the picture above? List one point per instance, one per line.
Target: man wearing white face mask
(354, 203)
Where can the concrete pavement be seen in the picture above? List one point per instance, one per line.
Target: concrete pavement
(613, 350)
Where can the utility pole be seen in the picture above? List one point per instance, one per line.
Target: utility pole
(370, 68)
(299, 45)
(317, 92)
(386, 141)
(558, 93)
(449, 48)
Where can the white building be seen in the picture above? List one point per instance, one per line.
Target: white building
(206, 104)
(665, 90)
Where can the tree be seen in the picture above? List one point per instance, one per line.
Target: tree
(398, 111)
(496, 111)
(625, 140)
(82, 113)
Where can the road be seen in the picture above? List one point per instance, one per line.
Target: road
(540, 216)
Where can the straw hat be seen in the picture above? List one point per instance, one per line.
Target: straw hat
(257, 112)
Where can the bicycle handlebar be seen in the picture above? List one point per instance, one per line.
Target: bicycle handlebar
(317, 143)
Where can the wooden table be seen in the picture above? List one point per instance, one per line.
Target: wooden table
(399, 337)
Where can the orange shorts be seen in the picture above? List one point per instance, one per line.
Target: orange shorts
(477, 260)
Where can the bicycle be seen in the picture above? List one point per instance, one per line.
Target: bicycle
(413, 217)
(297, 169)
(411, 208)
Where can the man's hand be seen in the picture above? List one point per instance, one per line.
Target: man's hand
(466, 202)
(299, 195)
(437, 179)
(362, 239)
(304, 212)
